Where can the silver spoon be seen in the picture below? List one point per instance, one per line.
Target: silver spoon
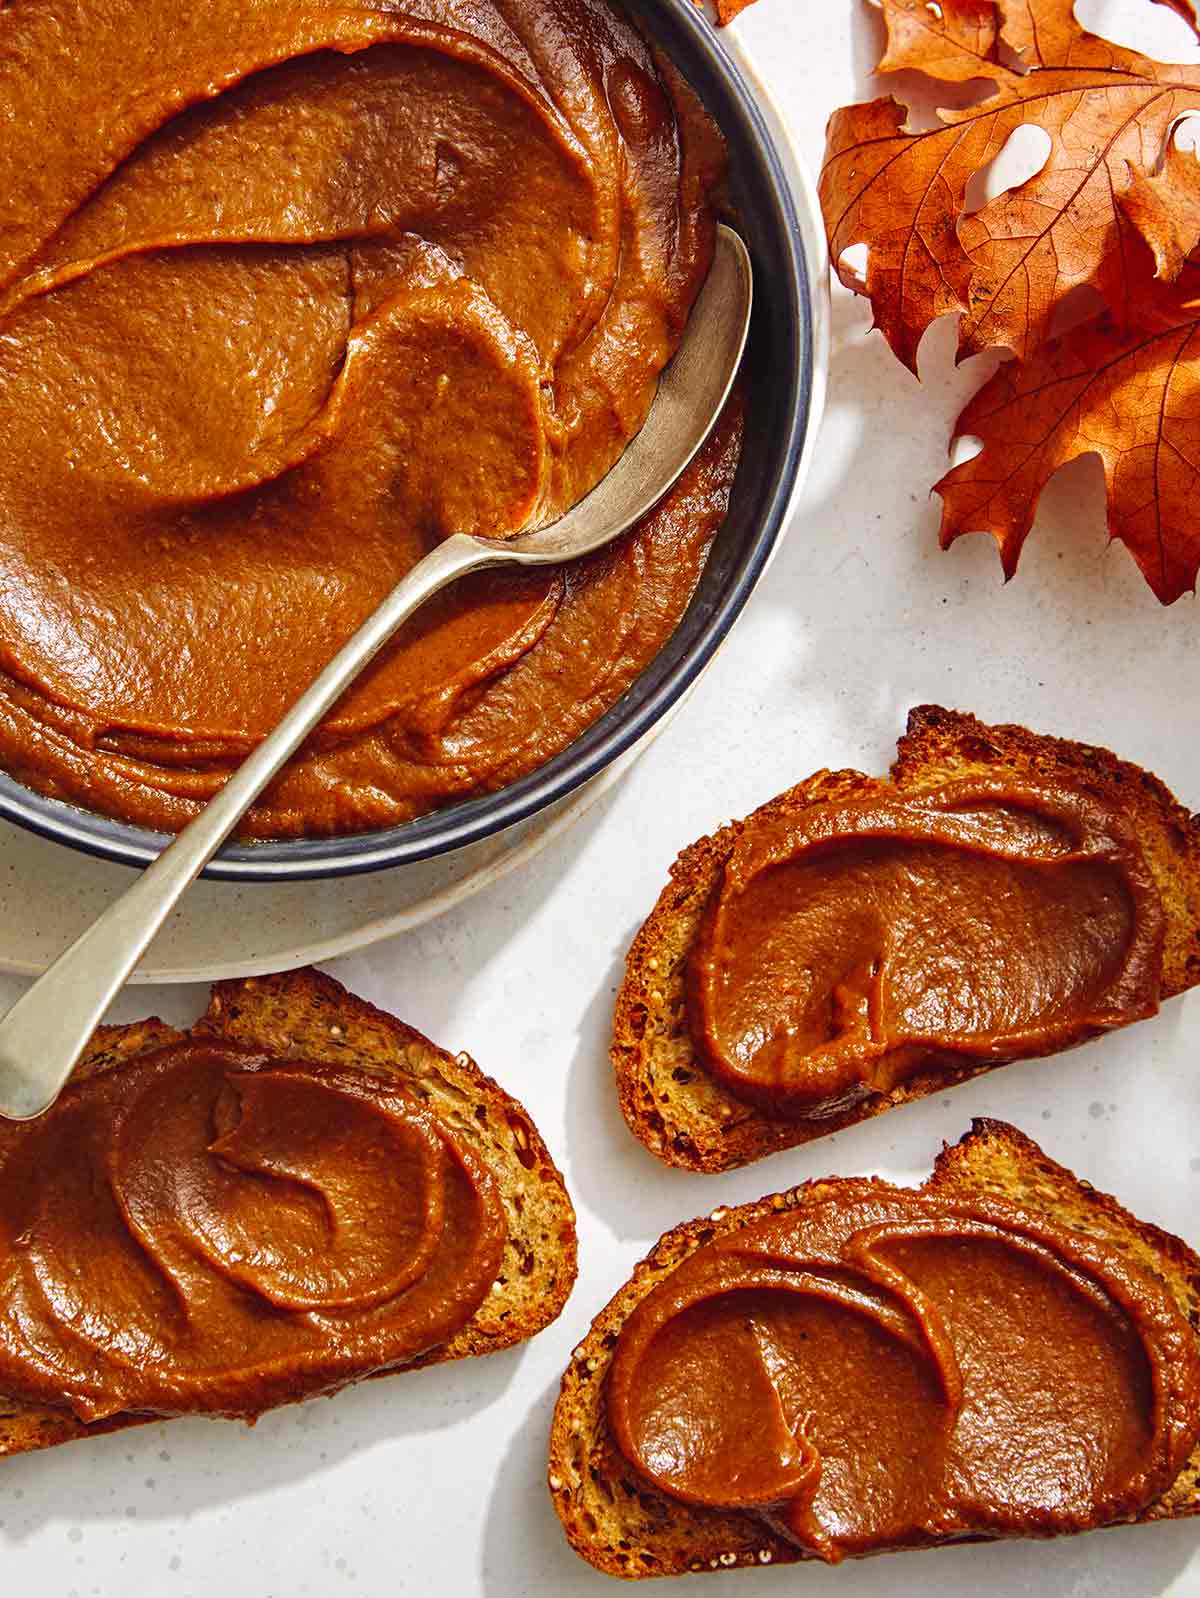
(46, 1031)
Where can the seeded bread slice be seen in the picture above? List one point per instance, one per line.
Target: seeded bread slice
(687, 1118)
(624, 1527)
(306, 1015)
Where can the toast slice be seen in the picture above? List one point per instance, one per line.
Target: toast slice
(624, 1527)
(307, 1015)
(681, 1113)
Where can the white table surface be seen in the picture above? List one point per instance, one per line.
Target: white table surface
(435, 1482)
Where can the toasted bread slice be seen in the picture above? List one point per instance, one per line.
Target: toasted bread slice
(687, 1118)
(306, 1015)
(626, 1528)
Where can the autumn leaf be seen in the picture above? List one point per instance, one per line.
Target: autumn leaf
(955, 43)
(1130, 396)
(728, 9)
(1165, 209)
(1007, 268)
(1116, 206)
(1044, 36)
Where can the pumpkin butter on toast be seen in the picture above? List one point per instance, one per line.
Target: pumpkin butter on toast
(862, 941)
(298, 1192)
(853, 1367)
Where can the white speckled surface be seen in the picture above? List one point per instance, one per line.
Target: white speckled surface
(435, 1482)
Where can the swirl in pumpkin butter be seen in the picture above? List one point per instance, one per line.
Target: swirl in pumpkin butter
(884, 1369)
(853, 944)
(289, 293)
(209, 1229)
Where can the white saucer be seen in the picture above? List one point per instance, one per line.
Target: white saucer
(226, 929)
(51, 893)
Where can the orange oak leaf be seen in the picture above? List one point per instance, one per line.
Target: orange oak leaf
(955, 43)
(1130, 397)
(1008, 267)
(1043, 35)
(728, 9)
(1165, 209)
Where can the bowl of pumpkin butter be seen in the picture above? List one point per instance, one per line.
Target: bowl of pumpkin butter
(291, 294)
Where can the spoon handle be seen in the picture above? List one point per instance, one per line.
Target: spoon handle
(46, 1031)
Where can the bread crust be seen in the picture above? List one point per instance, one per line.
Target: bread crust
(626, 1528)
(307, 1015)
(676, 1108)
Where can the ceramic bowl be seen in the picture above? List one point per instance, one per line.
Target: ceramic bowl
(781, 360)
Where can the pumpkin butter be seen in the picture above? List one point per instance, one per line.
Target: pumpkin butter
(852, 944)
(209, 1229)
(290, 292)
(881, 1369)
